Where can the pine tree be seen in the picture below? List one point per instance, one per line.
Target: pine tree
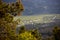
(7, 25)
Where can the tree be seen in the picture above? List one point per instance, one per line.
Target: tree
(13, 8)
(56, 33)
(26, 36)
(36, 34)
(22, 29)
(7, 25)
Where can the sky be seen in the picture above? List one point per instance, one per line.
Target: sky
(33, 7)
(7, 1)
(36, 7)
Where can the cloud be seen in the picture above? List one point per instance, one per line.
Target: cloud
(45, 7)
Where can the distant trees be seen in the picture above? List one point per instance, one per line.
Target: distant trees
(56, 33)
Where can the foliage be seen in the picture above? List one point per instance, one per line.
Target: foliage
(30, 35)
(7, 25)
(56, 33)
(13, 8)
(26, 36)
(36, 34)
(22, 29)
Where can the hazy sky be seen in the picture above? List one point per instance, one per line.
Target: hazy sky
(9, 1)
(33, 7)
(41, 7)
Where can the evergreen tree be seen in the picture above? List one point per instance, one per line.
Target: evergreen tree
(7, 25)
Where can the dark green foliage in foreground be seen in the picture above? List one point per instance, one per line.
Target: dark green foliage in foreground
(13, 8)
(56, 33)
(22, 29)
(26, 36)
(7, 25)
(36, 33)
